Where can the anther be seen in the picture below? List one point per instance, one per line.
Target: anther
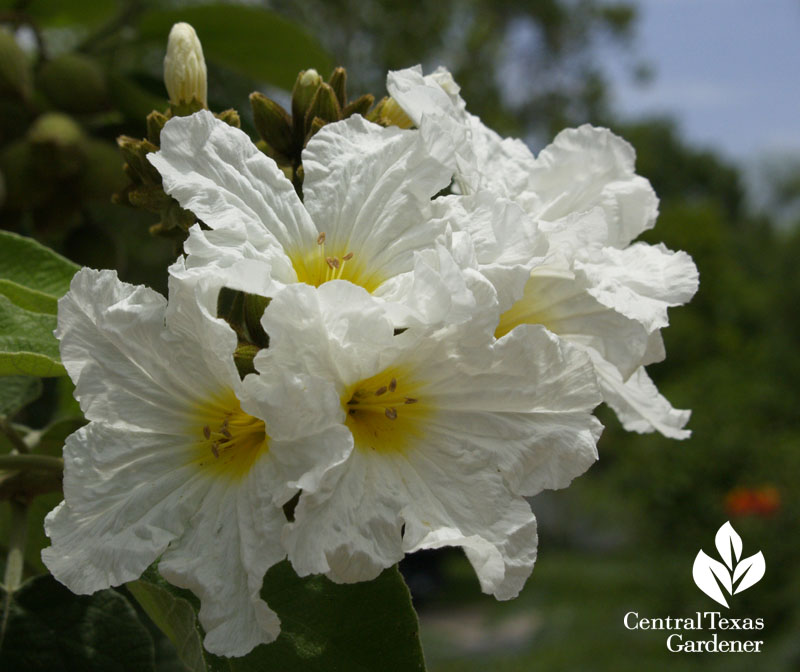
(392, 385)
(380, 391)
(214, 449)
(207, 432)
(410, 400)
(332, 262)
(391, 413)
(224, 431)
(347, 257)
(321, 238)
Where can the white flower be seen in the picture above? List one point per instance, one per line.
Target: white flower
(184, 67)
(582, 200)
(445, 437)
(364, 218)
(180, 462)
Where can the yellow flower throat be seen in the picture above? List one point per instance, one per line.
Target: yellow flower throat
(229, 440)
(385, 412)
(320, 265)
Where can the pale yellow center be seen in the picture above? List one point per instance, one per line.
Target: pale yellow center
(386, 413)
(229, 441)
(528, 310)
(322, 263)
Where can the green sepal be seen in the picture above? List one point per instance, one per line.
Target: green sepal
(324, 106)
(338, 82)
(230, 117)
(305, 88)
(155, 124)
(360, 106)
(184, 109)
(243, 358)
(273, 124)
(254, 307)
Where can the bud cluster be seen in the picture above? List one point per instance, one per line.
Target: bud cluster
(314, 104)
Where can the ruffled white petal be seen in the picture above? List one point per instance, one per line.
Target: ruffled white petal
(587, 167)
(528, 404)
(497, 421)
(374, 508)
(564, 304)
(316, 331)
(641, 281)
(230, 542)
(444, 289)
(216, 171)
(638, 403)
(305, 442)
(349, 528)
(368, 188)
(128, 494)
(129, 371)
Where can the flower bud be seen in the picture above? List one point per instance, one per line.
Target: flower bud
(74, 83)
(15, 69)
(185, 67)
(273, 124)
(305, 88)
(324, 106)
(338, 82)
(360, 106)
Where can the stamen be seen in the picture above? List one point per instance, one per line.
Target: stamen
(321, 238)
(393, 385)
(380, 391)
(215, 449)
(391, 413)
(347, 257)
(224, 431)
(332, 262)
(410, 400)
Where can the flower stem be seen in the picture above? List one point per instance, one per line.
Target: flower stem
(23, 462)
(15, 560)
(13, 436)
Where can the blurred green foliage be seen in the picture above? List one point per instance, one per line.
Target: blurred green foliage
(623, 536)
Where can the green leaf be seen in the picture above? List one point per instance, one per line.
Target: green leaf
(62, 14)
(27, 344)
(250, 40)
(32, 275)
(18, 391)
(51, 630)
(325, 627)
(175, 617)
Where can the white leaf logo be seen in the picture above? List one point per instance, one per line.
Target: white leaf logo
(711, 575)
(726, 540)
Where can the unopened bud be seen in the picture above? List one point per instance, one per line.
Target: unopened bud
(338, 82)
(184, 67)
(272, 123)
(230, 117)
(324, 106)
(15, 69)
(155, 124)
(360, 106)
(305, 88)
(74, 83)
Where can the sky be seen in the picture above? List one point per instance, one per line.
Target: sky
(727, 70)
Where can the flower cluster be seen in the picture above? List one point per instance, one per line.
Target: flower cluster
(431, 360)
